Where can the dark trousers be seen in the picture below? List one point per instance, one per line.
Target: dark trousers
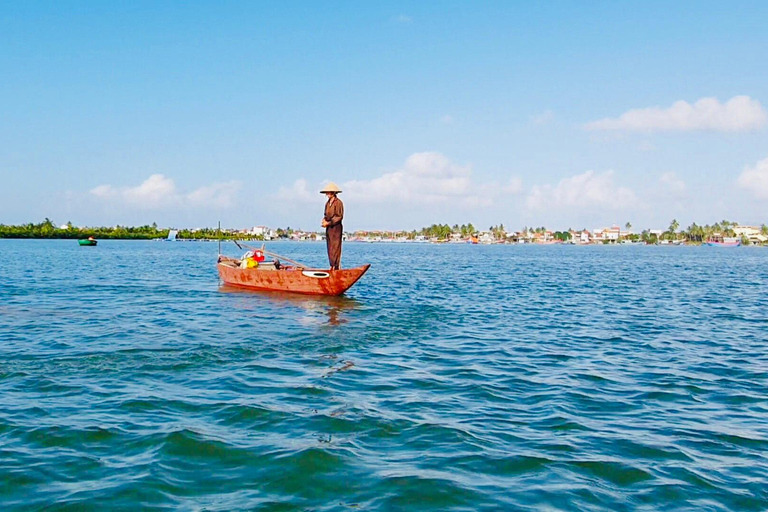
(333, 241)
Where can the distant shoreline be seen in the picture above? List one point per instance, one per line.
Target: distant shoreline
(385, 242)
(724, 232)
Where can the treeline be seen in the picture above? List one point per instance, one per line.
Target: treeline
(47, 229)
(439, 231)
(696, 233)
(444, 230)
(693, 233)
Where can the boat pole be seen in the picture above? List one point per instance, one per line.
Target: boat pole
(219, 236)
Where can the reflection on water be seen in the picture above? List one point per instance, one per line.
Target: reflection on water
(317, 306)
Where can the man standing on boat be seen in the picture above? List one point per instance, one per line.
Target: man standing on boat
(334, 213)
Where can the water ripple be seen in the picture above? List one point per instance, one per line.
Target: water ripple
(451, 378)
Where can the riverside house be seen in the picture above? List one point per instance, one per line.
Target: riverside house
(486, 237)
(752, 233)
(607, 235)
(581, 237)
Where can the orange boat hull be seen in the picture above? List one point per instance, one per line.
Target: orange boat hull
(306, 281)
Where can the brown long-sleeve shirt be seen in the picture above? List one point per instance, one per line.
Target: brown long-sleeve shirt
(334, 211)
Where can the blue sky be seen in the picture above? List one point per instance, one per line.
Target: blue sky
(188, 113)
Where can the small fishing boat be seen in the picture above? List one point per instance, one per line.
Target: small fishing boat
(253, 272)
(723, 242)
(293, 279)
(737, 243)
(87, 242)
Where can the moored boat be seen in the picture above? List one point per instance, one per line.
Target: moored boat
(294, 279)
(725, 242)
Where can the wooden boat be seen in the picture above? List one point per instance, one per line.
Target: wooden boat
(87, 242)
(293, 279)
(737, 243)
(723, 242)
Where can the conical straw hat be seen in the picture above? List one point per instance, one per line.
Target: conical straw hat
(331, 187)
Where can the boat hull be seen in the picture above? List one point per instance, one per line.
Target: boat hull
(304, 281)
(723, 244)
(87, 243)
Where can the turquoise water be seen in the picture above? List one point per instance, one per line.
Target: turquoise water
(449, 378)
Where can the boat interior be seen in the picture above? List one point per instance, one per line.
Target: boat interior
(264, 265)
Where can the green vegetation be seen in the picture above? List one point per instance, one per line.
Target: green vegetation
(694, 233)
(444, 231)
(205, 234)
(438, 231)
(47, 229)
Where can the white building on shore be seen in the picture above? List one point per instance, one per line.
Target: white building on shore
(752, 233)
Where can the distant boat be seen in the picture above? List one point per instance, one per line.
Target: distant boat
(267, 277)
(726, 242)
(88, 242)
(172, 235)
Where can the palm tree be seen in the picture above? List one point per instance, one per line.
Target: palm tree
(696, 232)
(673, 229)
(707, 232)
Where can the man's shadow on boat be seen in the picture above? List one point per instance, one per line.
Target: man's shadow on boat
(335, 308)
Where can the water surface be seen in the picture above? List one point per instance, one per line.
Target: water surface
(451, 377)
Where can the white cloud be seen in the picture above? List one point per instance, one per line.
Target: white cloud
(427, 177)
(159, 191)
(446, 119)
(755, 179)
(155, 192)
(217, 195)
(298, 192)
(646, 146)
(584, 190)
(671, 183)
(404, 19)
(740, 113)
(513, 186)
(545, 117)
(103, 191)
